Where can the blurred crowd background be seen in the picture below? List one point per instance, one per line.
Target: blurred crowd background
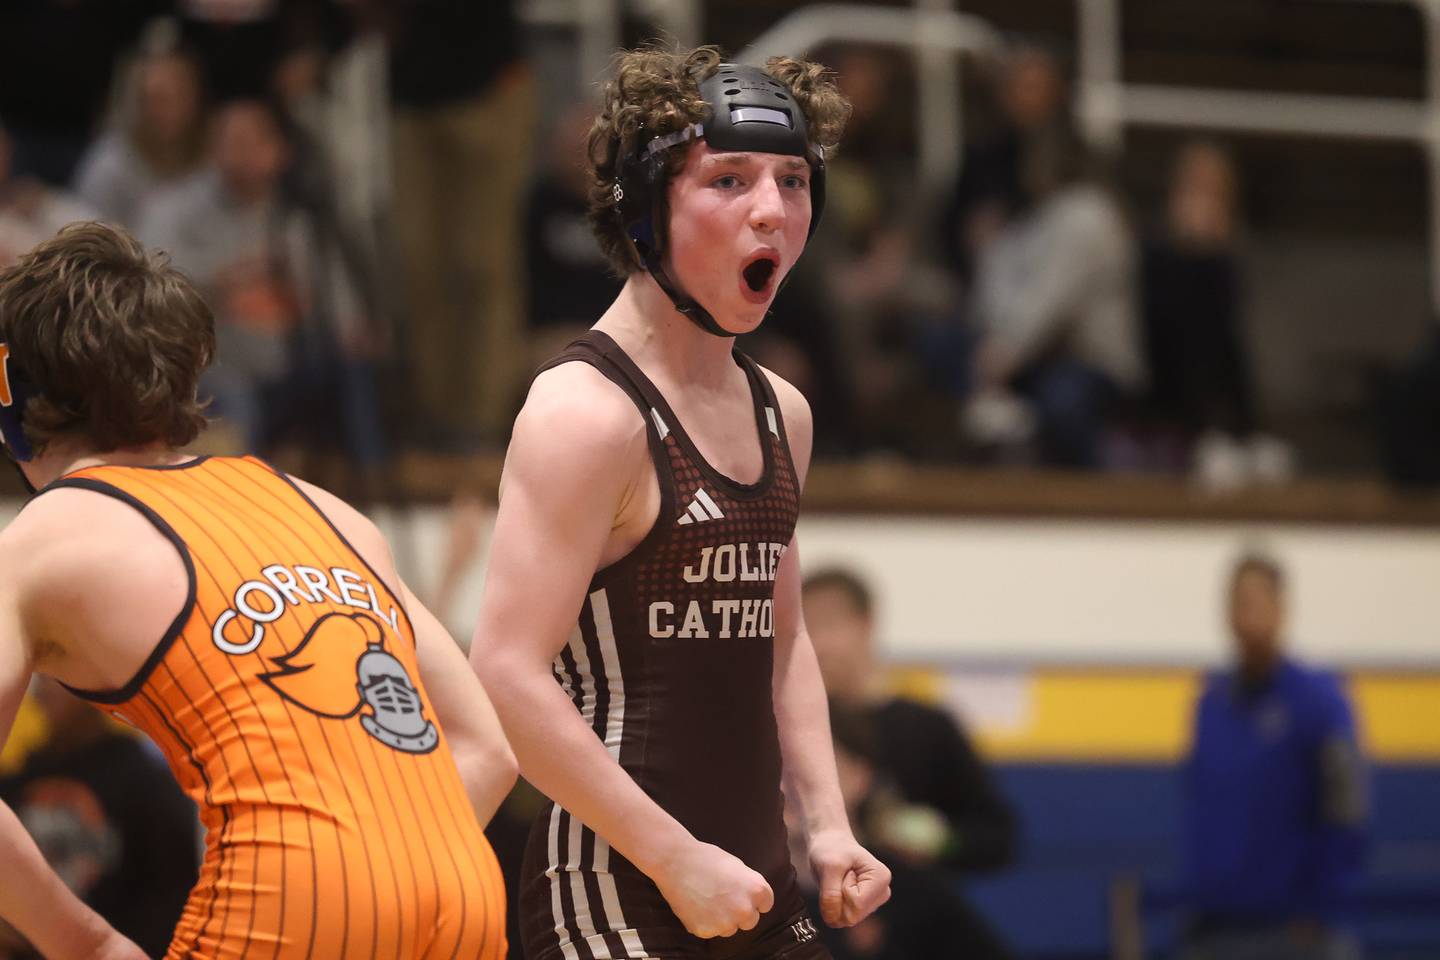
(1081, 259)
(385, 202)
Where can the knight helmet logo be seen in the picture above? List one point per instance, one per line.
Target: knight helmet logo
(398, 720)
(316, 676)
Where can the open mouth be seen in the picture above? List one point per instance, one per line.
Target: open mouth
(758, 273)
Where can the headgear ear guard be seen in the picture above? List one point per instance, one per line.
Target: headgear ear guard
(747, 111)
(15, 393)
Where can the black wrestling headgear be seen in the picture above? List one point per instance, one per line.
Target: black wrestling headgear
(747, 111)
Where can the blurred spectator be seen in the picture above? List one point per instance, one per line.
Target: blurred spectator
(246, 45)
(1030, 93)
(846, 315)
(1200, 387)
(946, 811)
(870, 195)
(1276, 795)
(159, 141)
(840, 326)
(109, 818)
(315, 32)
(294, 340)
(464, 122)
(239, 41)
(570, 284)
(30, 210)
(1410, 418)
(1051, 344)
(1054, 312)
(325, 132)
(925, 917)
(56, 62)
(1200, 377)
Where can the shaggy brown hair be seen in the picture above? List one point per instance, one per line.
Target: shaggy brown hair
(657, 91)
(112, 338)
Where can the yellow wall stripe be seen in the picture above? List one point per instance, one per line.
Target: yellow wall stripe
(1101, 717)
(1399, 716)
(1144, 716)
(1084, 715)
(27, 733)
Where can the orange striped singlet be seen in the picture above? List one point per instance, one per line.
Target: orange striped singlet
(286, 697)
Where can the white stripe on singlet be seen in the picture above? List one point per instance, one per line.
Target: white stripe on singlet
(558, 667)
(585, 674)
(566, 947)
(612, 732)
(610, 662)
(584, 916)
(552, 868)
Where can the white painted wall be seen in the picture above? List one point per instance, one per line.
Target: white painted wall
(1079, 591)
(1132, 591)
(1100, 591)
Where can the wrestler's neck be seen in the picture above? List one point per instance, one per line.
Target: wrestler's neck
(646, 325)
(62, 457)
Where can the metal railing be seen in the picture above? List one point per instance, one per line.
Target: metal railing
(1106, 105)
(597, 25)
(933, 29)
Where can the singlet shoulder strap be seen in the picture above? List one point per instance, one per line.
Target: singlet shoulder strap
(602, 353)
(764, 393)
(177, 626)
(616, 364)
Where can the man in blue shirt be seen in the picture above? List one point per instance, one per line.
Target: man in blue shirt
(1276, 795)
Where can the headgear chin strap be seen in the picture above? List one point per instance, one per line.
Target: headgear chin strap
(747, 111)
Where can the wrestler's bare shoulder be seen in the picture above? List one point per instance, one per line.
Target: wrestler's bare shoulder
(574, 412)
(72, 532)
(86, 567)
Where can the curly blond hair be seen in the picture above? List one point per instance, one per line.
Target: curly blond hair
(657, 91)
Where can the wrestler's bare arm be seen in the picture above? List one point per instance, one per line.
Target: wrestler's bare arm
(852, 882)
(33, 899)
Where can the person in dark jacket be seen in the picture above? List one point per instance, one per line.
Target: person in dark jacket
(1276, 795)
(109, 819)
(936, 810)
(926, 918)
(1191, 302)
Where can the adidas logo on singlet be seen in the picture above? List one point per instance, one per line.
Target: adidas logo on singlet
(701, 508)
